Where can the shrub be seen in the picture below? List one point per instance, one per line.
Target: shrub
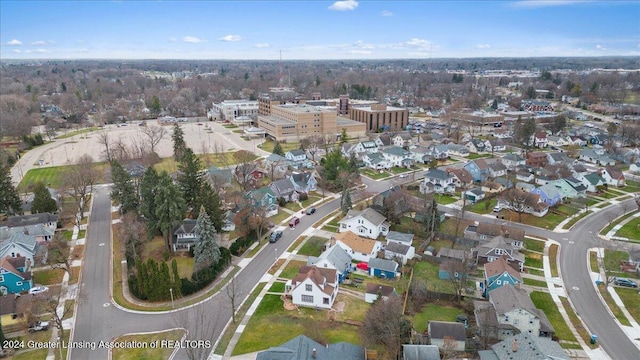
(303, 197)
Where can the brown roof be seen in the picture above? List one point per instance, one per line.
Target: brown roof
(615, 173)
(318, 276)
(355, 242)
(482, 164)
(462, 174)
(534, 155)
(499, 266)
(500, 230)
(383, 290)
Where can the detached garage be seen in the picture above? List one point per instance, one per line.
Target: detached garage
(385, 269)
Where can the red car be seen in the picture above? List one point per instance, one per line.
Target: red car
(294, 222)
(363, 266)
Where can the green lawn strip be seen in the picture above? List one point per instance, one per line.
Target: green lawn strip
(279, 217)
(158, 352)
(231, 329)
(616, 222)
(484, 206)
(593, 261)
(549, 221)
(615, 309)
(272, 325)
(375, 175)
(532, 244)
(330, 228)
(534, 282)
(575, 219)
(544, 302)
(602, 204)
(277, 287)
(535, 272)
(67, 235)
(293, 206)
(532, 259)
(577, 324)
(48, 276)
(67, 305)
(77, 132)
(434, 312)
(313, 246)
(310, 200)
(553, 255)
(400, 170)
(629, 298)
(445, 199)
(82, 234)
(630, 230)
(30, 354)
(292, 269)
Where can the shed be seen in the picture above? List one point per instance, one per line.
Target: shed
(448, 335)
(386, 269)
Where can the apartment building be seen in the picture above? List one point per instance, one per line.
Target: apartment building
(380, 116)
(231, 109)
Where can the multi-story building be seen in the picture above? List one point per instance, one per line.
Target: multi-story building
(479, 118)
(276, 96)
(231, 109)
(380, 116)
(292, 122)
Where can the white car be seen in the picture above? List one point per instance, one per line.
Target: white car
(498, 208)
(38, 290)
(403, 175)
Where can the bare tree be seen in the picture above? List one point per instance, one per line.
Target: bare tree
(59, 253)
(154, 135)
(458, 274)
(103, 139)
(518, 201)
(385, 324)
(54, 302)
(79, 181)
(448, 347)
(231, 291)
(200, 324)
(132, 233)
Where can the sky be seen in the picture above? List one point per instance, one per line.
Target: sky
(316, 30)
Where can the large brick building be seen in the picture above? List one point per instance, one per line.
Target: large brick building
(380, 116)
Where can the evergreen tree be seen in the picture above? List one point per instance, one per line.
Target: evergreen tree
(165, 282)
(169, 206)
(155, 105)
(42, 201)
(123, 190)
(177, 281)
(210, 199)
(346, 201)
(141, 279)
(352, 165)
(206, 251)
(10, 203)
(179, 146)
(344, 138)
(277, 149)
(494, 105)
(190, 177)
(148, 199)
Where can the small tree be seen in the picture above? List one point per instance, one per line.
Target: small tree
(346, 201)
(59, 253)
(277, 149)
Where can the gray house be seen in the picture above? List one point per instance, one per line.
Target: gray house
(302, 348)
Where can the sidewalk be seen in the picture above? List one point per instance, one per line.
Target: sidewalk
(613, 201)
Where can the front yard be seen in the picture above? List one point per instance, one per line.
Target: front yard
(375, 175)
(544, 302)
(631, 230)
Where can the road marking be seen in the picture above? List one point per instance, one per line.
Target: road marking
(575, 288)
(101, 244)
(106, 304)
(572, 242)
(590, 232)
(565, 239)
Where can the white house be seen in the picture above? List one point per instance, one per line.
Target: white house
(476, 146)
(514, 307)
(359, 248)
(367, 223)
(457, 150)
(402, 139)
(397, 156)
(399, 252)
(439, 181)
(511, 161)
(376, 161)
(366, 147)
(540, 139)
(400, 238)
(613, 176)
(313, 287)
(298, 158)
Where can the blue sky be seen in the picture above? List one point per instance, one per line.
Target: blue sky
(312, 30)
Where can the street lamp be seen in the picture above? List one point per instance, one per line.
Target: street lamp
(171, 291)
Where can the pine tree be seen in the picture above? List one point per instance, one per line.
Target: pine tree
(155, 105)
(179, 145)
(42, 200)
(148, 199)
(165, 282)
(210, 199)
(10, 203)
(123, 190)
(277, 149)
(190, 178)
(346, 201)
(170, 206)
(206, 251)
(177, 281)
(141, 279)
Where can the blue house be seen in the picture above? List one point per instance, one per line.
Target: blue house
(15, 275)
(549, 194)
(499, 273)
(479, 169)
(386, 269)
(265, 199)
(334, 257)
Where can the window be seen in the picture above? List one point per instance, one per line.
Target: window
(306, 298)
(506, 318)
(1, 278)
(499, 282)
(308, 287)
(499, 252)
(325, 301)
(18, 283)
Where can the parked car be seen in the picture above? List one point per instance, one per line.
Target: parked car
(37, 290)
(295, 221)
(39, 326)
(311, 211)
(403, 176)
(275, 236)
(497, 208)
(625, 282)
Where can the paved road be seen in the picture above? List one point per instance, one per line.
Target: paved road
(97, 319)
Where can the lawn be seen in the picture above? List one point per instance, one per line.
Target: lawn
(630, 299)
(272, 325)
(533, 244)
(549, 221)
(77, 132)
(612, 259)
(577, 324)
(407, 225)
(445, 199)
(277, 287)
(544, 302)
(269, 144)
(400, 170)
(313, 246)
(375, 175)
(534, 282)
(170, 165)
(532, 259)
(474, 156)
(484, 206)
(292, 269)
(574, 220)
(434, 312)
(553, 259)
(631, 230)
(429, 272)
(54, 176)
(615, 222)
(631, 186)
(158, 352)
(615, 309)
(279, 217)
(48, 277)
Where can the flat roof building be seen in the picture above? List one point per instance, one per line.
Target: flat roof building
(380, 116)
(231, 109)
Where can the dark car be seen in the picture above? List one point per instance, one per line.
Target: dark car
(275, 236)
(625, 282)
(311, 211)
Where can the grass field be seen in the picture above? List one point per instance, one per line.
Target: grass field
(286, 146)
(147, 353)
(484, 206)
(313, 246)
(434, 312)
(544, 302)
(48, 277)
(533, 282)
(630, 299)
(170, 165)
(54, 176)
(631, 230)
(533, 245)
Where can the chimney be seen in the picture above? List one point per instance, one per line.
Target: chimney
(514, 347)
(314, 353)
(506, 234)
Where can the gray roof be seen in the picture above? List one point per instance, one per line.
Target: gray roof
(282, 187)
(440, 329)
(420, 352)
(452, 253)
(375, 158)
(277, 158)
(397, 151)
(369, 214)
(33, 219)
(400, 237)
(383, 264)
(301, 348)
(437, 174)
(298, 152)
(529, 347)
(27, 241)
(397, 248)
(336, 256)
(507, 298)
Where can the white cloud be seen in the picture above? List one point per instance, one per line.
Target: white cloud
(362, 45)
(14, 42)
(386, 13)
(483, 46)
(40, 51)
(192, 39)
(16, 51)
(359, 52)
(262, 45)
(173, 39)
(231, 38)
(42, 43)
(528, 4)
(345, 5)
(419, 43)
(600, 47)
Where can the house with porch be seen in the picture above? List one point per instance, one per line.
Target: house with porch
(613, 176)
(499, 273)
(367, 222)
(15, 243)
(265, 199)
(514, 307)
(303, 182)
(461, 177)
(298, 159)
(184, 235)
(376, 161)
(476, 146)
(333, 257)
(313, 287)
(549, 194)
(592, 181)
(525, 176)
(284, 188)
(479, 169)
(397, 156)
(512, 161)
(358, 248)
(497, 169)
(500, 247)
(368, 147)
(15, 275)
(457, 150)
(438, 181)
